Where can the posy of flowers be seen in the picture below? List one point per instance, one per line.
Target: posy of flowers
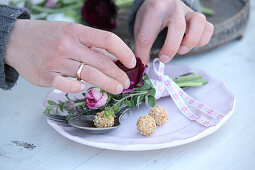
(141, 90)
(101, 14)
(96, 13)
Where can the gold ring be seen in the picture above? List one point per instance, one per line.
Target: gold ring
(78, 74)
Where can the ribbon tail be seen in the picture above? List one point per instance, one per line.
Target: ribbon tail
(198, 105)
(180, 103)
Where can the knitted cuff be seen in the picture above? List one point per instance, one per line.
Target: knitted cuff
(8, 17)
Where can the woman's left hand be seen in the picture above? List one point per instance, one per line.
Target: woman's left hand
(153, 16)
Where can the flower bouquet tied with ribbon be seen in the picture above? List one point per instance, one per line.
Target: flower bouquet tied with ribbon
(142, 89)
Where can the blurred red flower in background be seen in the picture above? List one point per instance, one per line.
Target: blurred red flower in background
(100, 13)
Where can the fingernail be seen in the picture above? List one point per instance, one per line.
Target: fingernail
(183, 50)
(127, 84)
(164, 58)
(83, 87)
(119, 89)
(133, 62)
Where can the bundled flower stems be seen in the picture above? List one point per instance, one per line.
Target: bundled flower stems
(141, 90)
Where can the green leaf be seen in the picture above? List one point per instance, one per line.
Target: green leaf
(109, 98)
(52, 102)
(147, 83)
(107, 109)
(113, 115)
(136, 100)
(122, 102)
(128, 103)
(152, 92)
(146, 86)
(61, 107)
(116, 108)
(141, 98)
(91, 88)
(132, 103)
(147, 100)
(67, 96)
(50, 108)
(57, 111)
(146, 77)
(151, 101)
(46, 111)
(107, 115)
(60, 103)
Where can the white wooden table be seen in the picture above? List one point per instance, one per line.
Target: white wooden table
(28, 142)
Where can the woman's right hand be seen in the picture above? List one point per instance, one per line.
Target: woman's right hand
(47, 53)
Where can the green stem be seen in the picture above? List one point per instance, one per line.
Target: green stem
(80, 104)
(123, 3)
(131, 95)
(190, 77)
(57, 10)
(206, 11)
(192, 83)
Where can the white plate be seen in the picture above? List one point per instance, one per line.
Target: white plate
(178, 130)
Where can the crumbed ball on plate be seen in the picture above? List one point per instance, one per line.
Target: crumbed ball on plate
(146, 125)
(160, 115)
(101, 121)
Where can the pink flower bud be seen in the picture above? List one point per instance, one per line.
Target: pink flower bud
(95, 98)
(69, 106)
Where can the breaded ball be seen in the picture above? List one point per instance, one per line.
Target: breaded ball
(160, 115)
(101, 121)
(146, 125)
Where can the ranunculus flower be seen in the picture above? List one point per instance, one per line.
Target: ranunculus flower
(51, 4)
(135, 74)
(95, 98)
(100, 13)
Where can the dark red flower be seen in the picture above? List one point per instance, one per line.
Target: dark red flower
(135, 74)
(100, 13)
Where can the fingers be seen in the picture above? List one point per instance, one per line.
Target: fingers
(195, 27)
(101, 63)
(105, 53)
(99, 79)
(176, 30)
(145, 34)
(89, 74)
(67, 85)
(207, 34)
(108, 41)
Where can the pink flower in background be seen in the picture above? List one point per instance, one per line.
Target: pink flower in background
(95, 98)
(51, 4)
(100, 13)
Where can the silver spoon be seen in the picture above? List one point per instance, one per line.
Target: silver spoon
(85, 122)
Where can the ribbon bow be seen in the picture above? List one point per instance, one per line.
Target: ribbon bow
(165, 86)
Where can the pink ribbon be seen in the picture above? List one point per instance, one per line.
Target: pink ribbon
(165, 86)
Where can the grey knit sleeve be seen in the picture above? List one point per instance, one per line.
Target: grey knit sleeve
(8, 17)
(194, 4)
